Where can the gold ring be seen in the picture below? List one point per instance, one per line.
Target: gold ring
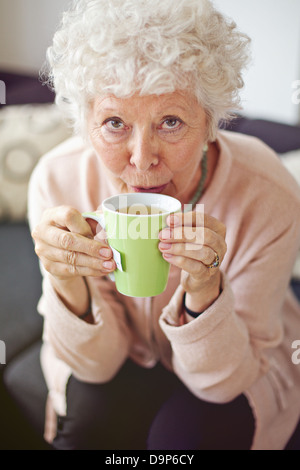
(215, 263)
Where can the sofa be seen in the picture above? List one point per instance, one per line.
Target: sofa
(22, 386)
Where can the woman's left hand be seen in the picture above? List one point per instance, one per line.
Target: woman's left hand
(193, 241)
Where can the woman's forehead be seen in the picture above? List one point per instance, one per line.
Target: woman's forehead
(182, 101)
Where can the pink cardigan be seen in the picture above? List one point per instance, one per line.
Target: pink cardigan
(240, 344)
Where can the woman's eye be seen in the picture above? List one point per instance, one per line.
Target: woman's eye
(171, 123)
(114, 124)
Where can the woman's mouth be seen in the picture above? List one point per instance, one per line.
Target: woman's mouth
(152, 189)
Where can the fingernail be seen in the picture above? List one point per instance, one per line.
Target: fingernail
(173, 219)
(105, 252)
(108, 265)
(165, 234)
(165, 246)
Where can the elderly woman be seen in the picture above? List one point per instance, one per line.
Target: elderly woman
(207, 363)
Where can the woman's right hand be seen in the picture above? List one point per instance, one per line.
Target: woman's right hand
(64, 242)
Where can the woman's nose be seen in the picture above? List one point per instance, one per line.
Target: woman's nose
(144, 151)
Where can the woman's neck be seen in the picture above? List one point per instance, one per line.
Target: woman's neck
(212, 161)
(210, 166)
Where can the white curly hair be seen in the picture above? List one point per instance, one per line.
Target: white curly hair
(123, 47)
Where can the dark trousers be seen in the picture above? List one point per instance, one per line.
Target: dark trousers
(150, 409)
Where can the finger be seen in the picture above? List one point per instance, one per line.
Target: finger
(197, 219)
(182, 233)
(66, 270)
(203, 254)
(191, 266)
(73, 257)
(198, 236)
(64, 240)
(68, 218)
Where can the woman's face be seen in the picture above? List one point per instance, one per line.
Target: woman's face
(150, 143)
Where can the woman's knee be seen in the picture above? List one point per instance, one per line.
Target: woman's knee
(88, 413)
(185, 422)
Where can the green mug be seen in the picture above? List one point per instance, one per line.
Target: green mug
(132, 223)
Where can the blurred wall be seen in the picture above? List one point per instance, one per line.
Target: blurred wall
(27, 27)
(26, 30)
(274, 27)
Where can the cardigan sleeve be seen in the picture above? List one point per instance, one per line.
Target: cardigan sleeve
(221, 353)
(93, 352)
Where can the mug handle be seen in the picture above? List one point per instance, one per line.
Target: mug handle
(99, 217)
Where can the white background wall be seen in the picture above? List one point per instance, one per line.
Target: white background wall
(274, 27)
(26, 30)
(27, 27)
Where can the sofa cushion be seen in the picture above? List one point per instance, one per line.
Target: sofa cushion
(26, 384)
(26, 133)
(23, 89)
(280, 137)
(20, 289)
